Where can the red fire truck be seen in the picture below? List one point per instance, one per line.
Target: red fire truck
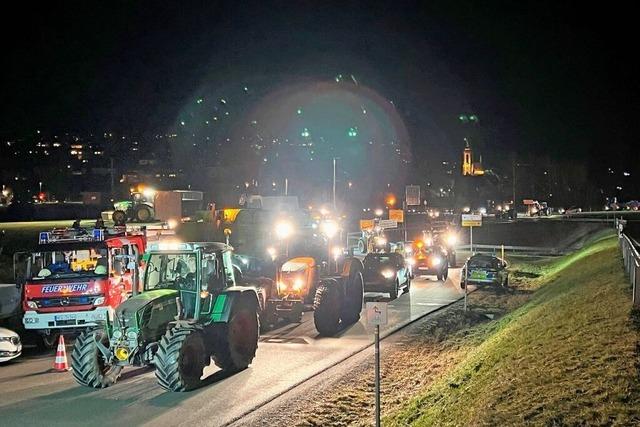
(77, 277)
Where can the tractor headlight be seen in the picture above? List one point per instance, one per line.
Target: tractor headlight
(282, 287)
(117, 334)
(388, 274)
(132, 335)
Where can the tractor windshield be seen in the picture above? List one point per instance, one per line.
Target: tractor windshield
(171, 271)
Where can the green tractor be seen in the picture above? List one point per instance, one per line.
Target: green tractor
(139, 207)
(190, 312)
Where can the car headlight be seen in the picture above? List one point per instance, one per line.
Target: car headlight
(32, 304)
(381, 241)
(98, 301)
(452, 239)
(388, 274)
(13, 339)
(436, 261)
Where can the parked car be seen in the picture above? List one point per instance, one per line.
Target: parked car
(572, 210)
(386, 272)
(10, 345)
(483, 269)
(431, 260)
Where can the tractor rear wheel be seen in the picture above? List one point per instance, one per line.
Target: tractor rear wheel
(181, 357)
(88, 364)
(326, 308)
(143, 214)
(119, 217)
(354, 295)
(238, 338)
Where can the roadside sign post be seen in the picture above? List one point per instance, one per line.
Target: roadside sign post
(376, 316)
(466, 286)
(469, 220)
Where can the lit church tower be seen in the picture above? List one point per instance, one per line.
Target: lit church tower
(467, 160)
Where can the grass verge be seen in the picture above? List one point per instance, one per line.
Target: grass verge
(559, 348)
(566, 357)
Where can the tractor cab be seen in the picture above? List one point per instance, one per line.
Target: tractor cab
(195, 271)
(297, 278)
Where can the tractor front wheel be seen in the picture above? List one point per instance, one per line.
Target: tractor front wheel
(181, 357)
(326, 308)
(119, 217)
(88, 364)
(238, 338)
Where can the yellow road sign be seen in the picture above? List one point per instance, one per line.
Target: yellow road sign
(396, 215)
(367, 224)
(471, 220)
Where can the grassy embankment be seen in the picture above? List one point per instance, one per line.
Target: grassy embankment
(568, 356)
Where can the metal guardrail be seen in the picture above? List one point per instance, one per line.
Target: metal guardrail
(631, 260)
(496, 248)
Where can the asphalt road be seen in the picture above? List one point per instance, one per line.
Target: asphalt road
(287, 357)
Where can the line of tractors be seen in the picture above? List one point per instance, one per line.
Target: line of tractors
(142, 297)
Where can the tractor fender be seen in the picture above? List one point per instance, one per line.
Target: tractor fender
(227, 298)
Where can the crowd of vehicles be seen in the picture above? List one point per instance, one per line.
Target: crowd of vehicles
(179, 307)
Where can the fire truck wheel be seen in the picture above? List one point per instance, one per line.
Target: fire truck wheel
(181, 357)
(354, 296)
(237, 339)
(88, 364)
(119, 217)
(47, 342)
(143, 214)
(326, 308)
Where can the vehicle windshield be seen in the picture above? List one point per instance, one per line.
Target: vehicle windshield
(484, 263)
(73, 263)
(170, 270)
(381, 259)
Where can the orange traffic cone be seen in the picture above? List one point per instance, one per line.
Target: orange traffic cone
(61, 364)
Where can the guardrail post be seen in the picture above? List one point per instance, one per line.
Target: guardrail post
(636, 286)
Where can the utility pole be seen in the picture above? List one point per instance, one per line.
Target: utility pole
(334, 184)
(513, 182)
(111, 173)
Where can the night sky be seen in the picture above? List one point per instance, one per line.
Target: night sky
(549, 77)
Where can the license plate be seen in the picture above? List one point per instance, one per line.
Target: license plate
(64, 317)
(478, 274)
